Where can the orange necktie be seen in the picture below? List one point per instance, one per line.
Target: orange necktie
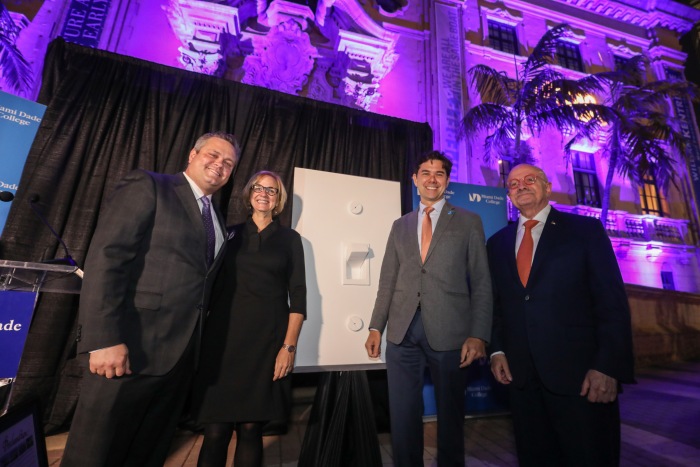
(524, 256)
(426, 233)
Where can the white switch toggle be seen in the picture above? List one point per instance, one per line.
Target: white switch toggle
(355, 264)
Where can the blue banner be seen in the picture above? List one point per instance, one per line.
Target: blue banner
(488, 202)
(19, 122)
(484, 395)
(85, 21)
(16, 310)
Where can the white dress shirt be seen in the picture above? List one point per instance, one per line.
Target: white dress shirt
(198, 193)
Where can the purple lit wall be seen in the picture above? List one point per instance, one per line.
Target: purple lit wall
(395, 100)
(149, 35)
(412, 64)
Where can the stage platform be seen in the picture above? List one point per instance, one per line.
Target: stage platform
(660, 427)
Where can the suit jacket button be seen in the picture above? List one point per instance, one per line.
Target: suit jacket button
(527, 297)
(423, 271)
(418, 294)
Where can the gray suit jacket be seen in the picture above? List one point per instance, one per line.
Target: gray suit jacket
(146, 280)
(453, 286)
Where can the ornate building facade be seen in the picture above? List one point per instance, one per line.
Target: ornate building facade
(409, 59)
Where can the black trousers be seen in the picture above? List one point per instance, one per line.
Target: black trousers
(563, 430)
(128, 421)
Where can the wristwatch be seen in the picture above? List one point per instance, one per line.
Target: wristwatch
(289, 347)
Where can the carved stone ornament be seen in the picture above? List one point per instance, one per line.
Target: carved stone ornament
(501, 14)
(282, 59)
(338, 53)
(201, 61)
(202, 28)
(672, 15)
(360, 93)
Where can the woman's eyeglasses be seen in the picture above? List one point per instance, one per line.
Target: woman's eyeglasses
(271, 191)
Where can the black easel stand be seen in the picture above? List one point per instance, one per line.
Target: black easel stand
(341, 430)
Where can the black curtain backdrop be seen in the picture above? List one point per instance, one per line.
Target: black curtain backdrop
(108, 114)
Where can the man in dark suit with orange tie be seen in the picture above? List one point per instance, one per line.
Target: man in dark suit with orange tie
(148, 276)
(561, 331)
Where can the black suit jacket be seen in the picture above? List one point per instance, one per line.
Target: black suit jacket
(146, 280)
(572, 316)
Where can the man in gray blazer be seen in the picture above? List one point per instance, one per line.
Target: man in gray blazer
(148, 276)
(435, 302)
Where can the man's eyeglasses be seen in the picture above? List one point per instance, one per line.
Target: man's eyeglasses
(514, 183)
(271, 191)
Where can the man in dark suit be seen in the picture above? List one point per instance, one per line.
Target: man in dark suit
(147, 281)
(561, 332)
(435, 300)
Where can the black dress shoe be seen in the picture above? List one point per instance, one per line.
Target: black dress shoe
(189, 424)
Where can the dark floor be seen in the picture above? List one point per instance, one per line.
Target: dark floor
(660, 427)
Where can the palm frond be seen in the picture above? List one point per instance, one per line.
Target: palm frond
(501, 145)
(591, 129)
(488, 149)
(665, 174)
(632, 72)
(572, 117)
(578, 136)
(544, 52)
(539, 89)
(568, 88)
(484, 117)
(672, 89)
(498, 143)
(492, 85)
(593, 84)
(13, 67)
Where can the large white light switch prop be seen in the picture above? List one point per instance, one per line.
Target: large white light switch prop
(344, 222)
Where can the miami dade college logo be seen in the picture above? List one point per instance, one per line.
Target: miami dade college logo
(474, 197)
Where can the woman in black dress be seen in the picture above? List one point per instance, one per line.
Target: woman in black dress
(251, 333)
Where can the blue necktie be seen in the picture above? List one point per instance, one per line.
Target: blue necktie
(208, 229)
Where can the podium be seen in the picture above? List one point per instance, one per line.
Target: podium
(20, 284)
(39, 277)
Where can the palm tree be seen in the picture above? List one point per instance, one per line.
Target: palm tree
(641, 135)
(14, 69)
(538, 96)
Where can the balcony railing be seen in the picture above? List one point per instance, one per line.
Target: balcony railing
(638, 227)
